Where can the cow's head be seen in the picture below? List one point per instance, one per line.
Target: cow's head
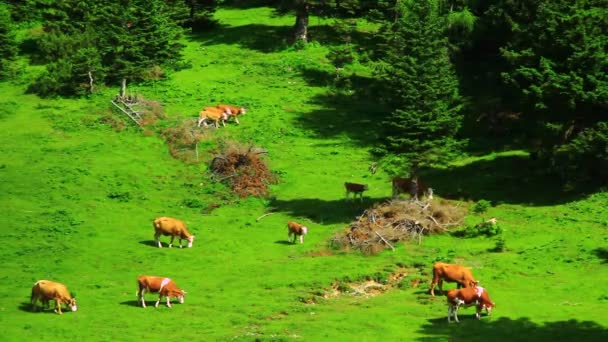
(304, 230)
(190, 241)
(243, 110)
(181, 297)
(72, 304)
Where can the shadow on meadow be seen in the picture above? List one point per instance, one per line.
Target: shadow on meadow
(271, 38)
(322, 211)
(601, 253)
(505, 329)
(149, 243)
(513, 179)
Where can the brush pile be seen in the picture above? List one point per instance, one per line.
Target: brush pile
(385, 224)
(243, 168)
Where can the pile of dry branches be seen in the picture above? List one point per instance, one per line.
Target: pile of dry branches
(244, 169)
(384, 224)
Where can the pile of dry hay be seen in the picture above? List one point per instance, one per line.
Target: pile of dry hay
(244, 169)
(398, 220)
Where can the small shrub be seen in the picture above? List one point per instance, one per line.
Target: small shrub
(193, 203)
(500, 246)
(481, 206)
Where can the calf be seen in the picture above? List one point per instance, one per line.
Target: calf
(355, 189)
(451, 273)
(214, 114)
(165, 287)
(466, 297)
(46, 290)
(174, 227)
(413, 186)
(232, 111)
(296, 229)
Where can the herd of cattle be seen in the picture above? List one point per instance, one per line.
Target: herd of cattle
(468, 292)
(220, 113)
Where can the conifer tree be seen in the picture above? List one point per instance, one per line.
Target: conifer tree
(421, 86)
(8, 44)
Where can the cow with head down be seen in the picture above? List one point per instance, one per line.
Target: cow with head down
(296, 229)
(468, 296)
(172, 227)
(451, 273)
(232, 111)
(46, 290)
(165, 287)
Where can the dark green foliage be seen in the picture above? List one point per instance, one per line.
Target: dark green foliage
(421, 86)
(557, 62)
(585, 158)
(105, 42)
(8, 44)
(481, 206)
(487, 228)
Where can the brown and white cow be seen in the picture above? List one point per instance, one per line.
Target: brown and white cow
(46, 290)
(173, 227)
(412, 186)
(466, 297)
(296, 229)
(451, 273)
(232, 111)
(165, 287)
(214, 114)
(355, 189)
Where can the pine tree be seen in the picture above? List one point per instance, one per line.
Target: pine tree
(8, 44)
(421, 86)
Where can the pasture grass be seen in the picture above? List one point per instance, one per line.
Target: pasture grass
(78, 198)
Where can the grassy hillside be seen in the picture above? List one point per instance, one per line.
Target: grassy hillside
(78, 198)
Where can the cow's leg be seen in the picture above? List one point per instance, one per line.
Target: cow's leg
(171, 242)
(140, 296)
(160, 296)
(449, 313)
(180, 242)
(58, 309)
(289, 236)
(169, 301)
(456, 313)
(440, 283)
(157, 239)
(237, 120)
(301, 238)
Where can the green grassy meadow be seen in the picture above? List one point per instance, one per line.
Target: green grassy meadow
(78, 198)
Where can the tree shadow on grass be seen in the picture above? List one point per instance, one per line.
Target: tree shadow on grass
(322, 211)
(513, 179)
(262, 38)
(601, 253)
(505, 329)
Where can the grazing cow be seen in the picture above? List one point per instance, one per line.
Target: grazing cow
(46, 290)
(466, 297)
(296, 229)
(173, 227)
(214, 114)
(232, 111)
(165, 287)
(451, 273)
(413, 186)
(355, 189)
